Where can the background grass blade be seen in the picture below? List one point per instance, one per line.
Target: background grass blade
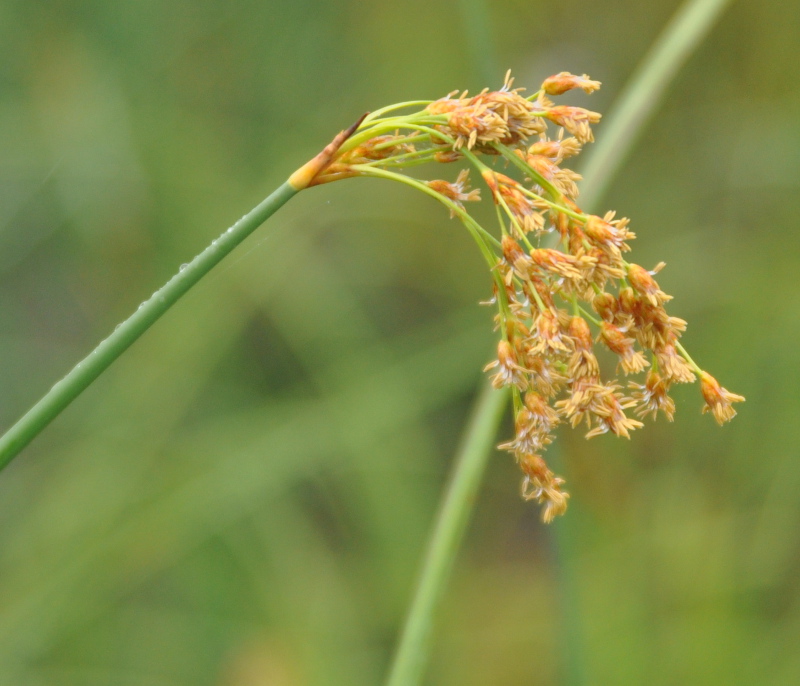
(644, 92)
(451, 523)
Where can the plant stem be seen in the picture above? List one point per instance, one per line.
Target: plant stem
(451, 522)
(94, 364)
(124, 335)
(638, 102)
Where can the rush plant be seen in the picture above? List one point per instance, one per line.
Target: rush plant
(554, 304)
(558, 275)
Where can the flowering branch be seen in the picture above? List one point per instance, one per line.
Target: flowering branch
(547, 299)
(555, 305)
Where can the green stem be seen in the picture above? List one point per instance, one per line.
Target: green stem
(402, 141)
(88, 369)
(377, 114)
(415, 122)
(402, 158)
(405, 164)
(688, 358)
(481, 236)
(451, 524)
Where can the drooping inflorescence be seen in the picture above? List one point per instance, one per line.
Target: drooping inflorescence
(562, 283)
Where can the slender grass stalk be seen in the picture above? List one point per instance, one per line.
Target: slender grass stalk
(682, 35)
(685, 31)
(94, 364)
(125, 334)
(451, 522)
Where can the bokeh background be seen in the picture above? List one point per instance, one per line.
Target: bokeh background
(243, 499)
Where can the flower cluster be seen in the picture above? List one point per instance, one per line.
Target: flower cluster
(563, 285)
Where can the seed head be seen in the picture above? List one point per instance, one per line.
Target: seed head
(644, 284)
(562, 264)
(576, 120)
(651, 397)
(608, 235)
(605, 305)
(632, 361)
(457, 192)
(542, 485)
(719, 401)
(557, 149)
(564, 81)
(509, 371)
(607, 413)
(520, 264)
(507, 193)
(563, 179)
(549, 336)
(583, 362)
(546, 296)
(673, 365)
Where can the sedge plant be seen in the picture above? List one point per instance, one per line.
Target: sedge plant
(554, 305)
(561, 281)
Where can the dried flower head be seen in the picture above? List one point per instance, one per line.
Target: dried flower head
(457, 192)
(651, 396)
(719, 401)
(564, 81)
(576, 120)
(555, 302)
(509, 371)
(557, 149)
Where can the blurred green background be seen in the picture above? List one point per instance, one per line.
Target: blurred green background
(242, 500)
